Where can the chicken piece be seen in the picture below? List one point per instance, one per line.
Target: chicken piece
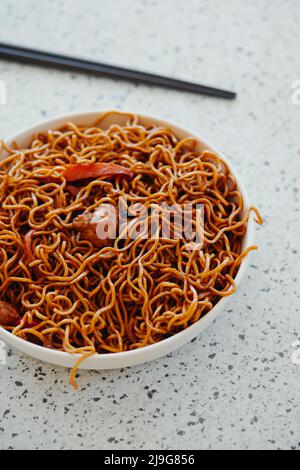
(8, 314)
(98, 227)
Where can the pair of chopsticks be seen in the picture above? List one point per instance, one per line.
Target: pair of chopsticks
(31, 56)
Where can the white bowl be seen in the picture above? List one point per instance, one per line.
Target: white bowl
(148, 353)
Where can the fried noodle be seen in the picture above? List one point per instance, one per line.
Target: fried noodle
(80, 298)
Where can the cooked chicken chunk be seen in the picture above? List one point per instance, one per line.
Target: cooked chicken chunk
(98, 227)
(8, 314)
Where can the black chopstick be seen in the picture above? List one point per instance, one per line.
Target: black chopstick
(32, 56)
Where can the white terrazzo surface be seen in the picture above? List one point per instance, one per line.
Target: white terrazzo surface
(235, 386)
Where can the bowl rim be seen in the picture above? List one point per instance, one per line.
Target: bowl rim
(179, 338)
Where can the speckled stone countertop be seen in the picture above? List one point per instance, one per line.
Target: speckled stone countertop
(236, 385)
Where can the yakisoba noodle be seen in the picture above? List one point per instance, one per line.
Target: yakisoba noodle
(70, 293)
